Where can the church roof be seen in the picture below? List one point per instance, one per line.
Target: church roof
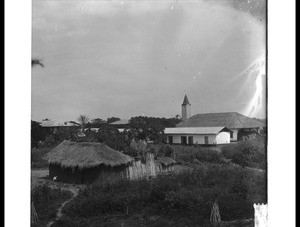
(195, 130)
(185, 101)
(230, 120)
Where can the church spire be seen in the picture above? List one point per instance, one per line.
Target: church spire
(185, 100)
(185, 108)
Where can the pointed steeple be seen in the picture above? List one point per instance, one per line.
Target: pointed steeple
(185, 100)
(185, 108)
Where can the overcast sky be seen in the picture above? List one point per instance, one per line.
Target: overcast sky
(131, 58)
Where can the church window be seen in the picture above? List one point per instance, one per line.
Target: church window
(190, 140)
(183, 139)
(170, 139)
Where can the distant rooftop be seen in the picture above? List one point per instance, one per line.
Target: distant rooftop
(229, 120)
(51, 123)
(120, 122)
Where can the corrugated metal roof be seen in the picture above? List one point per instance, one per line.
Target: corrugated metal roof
(51, 123)
(194, 130)
(230, 120)
(120, 122)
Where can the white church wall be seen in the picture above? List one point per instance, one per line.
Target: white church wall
(223, 137)
(200, 139)
(197, 139)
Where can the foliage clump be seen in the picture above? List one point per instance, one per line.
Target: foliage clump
(185, 196)
(251, 153)
(46, 201)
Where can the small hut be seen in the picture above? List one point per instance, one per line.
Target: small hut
(86, 162)
(165, 164)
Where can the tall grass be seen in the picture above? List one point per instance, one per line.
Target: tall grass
(46, 201)
(187, 154)
(187, 195)
(250, 153)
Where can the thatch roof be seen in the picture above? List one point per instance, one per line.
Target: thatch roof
(230, 120)
(85, 155)
(166, 161)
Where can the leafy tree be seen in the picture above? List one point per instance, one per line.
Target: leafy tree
(35, 62)
(112, 138)
(38, 133)
(97, 122)
(151, 128)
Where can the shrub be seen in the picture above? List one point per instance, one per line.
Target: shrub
(131, 152)
(37, 160)
(185, 196)
(250, 153)
(196, 154)
(46, 201)
(164, 151)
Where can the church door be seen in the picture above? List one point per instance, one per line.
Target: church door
(205, 139)
(183, 139)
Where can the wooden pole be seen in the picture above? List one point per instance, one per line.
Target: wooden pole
(34, 216)
(215, 216)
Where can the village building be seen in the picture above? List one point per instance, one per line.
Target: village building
(203, 127)
(121, 125)
(55, 126)
(198, 135)
(86, 163)
(165, 164)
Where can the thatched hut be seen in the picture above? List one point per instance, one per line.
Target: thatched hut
(86, 162)
(165, 164)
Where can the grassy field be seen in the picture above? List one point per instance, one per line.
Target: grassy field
(46, 202)
(179, 199)
(184, 198)
(251, 153)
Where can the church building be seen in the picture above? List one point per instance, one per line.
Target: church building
(211, 128)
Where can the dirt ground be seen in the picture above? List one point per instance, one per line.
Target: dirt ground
(41, 176)
(38, 177)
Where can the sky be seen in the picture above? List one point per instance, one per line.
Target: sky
(133, 58)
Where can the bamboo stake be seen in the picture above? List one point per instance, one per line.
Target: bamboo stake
(34, 216)
(215, 217)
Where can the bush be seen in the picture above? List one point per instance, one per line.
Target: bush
(185, 196)
(196, 154)
(37, 160)
(161, 150)
(46, 201)
(250, 153)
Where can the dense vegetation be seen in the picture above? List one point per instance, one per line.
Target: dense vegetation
(186, 154)
(46, 202)
(37, 161)
(251, 153)
(168, 199)
(139, 128)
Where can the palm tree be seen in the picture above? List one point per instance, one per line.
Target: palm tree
(83, 120)
(35, 62)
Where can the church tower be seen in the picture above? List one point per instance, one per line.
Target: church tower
(185, 108)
